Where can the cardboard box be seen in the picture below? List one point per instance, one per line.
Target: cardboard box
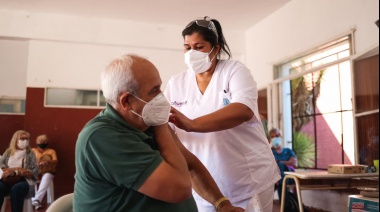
(345, 169)
(358, 203)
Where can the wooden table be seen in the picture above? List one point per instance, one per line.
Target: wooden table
(322, 180)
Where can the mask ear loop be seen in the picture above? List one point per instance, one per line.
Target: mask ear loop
(210, 53)
(133, 110)
(138, 98)
(137, 114)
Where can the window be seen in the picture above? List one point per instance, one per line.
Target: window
(64, 97)
(366, 83)
(12, 105)
(312, 104)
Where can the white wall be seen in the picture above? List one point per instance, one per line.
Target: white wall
(13, 67)
(78, 65)
(302, 25)
(68, 51)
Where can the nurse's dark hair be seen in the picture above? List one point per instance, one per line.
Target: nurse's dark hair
(209, 36)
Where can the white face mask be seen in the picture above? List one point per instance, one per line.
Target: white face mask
(197, 61)
(22, 144)
(156, 111)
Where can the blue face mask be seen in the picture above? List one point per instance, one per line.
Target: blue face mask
(276, 142)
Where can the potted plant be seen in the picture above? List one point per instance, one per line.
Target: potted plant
(304, 149)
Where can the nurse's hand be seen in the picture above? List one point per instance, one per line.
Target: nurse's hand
(180, 120)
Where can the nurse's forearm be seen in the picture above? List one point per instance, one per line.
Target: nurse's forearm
(228, 117)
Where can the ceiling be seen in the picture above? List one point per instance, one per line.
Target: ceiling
(232, 14)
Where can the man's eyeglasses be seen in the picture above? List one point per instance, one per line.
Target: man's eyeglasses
(205, 23)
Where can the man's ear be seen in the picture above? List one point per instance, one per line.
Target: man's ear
(125, 100)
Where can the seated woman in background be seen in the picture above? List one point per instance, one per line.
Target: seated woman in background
(19, 170)
(47, 161)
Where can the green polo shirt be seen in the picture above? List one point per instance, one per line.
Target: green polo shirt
(113, 159)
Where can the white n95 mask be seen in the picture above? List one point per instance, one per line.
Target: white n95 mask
(198, 61)
(156, 111)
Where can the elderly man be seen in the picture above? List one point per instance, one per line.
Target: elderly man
(128, 158)
(286, 159)
(283, 155)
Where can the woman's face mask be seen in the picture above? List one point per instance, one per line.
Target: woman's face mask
(22, 143)
(276, 142)
(156, 111)
(198, 61)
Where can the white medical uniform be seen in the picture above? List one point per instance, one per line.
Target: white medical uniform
(239, 159)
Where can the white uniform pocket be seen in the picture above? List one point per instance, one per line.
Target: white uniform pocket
(226, 97)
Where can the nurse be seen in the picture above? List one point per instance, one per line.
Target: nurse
(215, 115)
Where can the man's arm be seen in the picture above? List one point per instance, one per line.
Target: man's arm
(202, 181)
(291, 162)
(170, 182)
(292, 158)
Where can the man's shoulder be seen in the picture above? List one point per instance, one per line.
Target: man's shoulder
(94, 125)
(287, 150)
(102, 127)
(100, 122)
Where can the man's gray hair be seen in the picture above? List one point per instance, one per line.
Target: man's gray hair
(118, 78)
(276, 131)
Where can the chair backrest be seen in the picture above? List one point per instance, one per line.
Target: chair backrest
(62, 204)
